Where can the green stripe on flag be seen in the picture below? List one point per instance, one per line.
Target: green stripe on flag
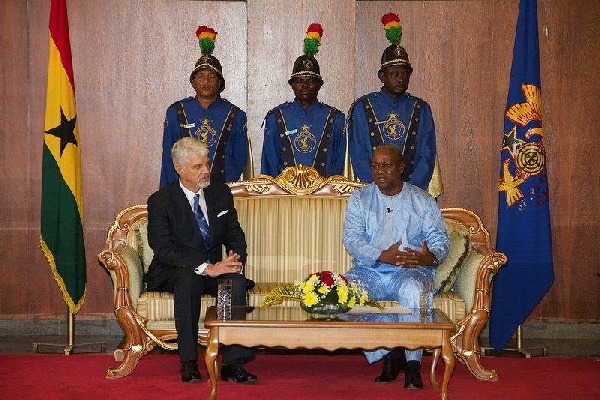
(62, 233)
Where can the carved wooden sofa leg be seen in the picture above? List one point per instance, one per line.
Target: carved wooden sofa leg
(137, 344)
(466, 340)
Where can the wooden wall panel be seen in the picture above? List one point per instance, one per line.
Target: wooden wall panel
(133, 58)
(570, 64)
(16, 200)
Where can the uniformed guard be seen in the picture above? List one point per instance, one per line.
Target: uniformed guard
(305, 131)
(209, 118)
(393, 116)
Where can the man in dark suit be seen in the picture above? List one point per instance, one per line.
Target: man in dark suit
(189, 221)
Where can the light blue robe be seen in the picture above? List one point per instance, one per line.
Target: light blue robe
(375, 221)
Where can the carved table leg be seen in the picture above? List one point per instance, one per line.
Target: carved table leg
(210, 358)
(449, 361)
(434, 361)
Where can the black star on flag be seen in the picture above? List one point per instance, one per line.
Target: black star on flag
(511, 142)
(65, 131)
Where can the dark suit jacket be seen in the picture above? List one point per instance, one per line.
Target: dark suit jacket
(175, 238)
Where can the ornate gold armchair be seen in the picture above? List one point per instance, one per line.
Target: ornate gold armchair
(293, 225)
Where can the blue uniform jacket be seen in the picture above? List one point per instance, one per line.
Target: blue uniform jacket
(236, 150)
(384, 106)
(305, 143)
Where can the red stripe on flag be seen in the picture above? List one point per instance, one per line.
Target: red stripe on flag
(59, 32)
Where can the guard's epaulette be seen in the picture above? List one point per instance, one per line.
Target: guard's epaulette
(236, 108)
(358, 101)
(279, 107)
(332, 107)
(187, 99)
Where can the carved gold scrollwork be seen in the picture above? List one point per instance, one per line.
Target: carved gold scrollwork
(257, 188)
(342, 188)
(300, 180)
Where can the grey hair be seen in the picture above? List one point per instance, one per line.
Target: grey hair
(392, 148)
(186, 146)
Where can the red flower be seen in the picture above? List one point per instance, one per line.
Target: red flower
(327, 278)
(390, 17)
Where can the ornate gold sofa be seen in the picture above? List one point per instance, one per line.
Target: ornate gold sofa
(293, 225)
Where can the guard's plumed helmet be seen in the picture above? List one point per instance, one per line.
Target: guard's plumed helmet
(206, 41)
(394, 54)
(306, 64)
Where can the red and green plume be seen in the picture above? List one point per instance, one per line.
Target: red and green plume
(206, 39)
(313, 39)
(393, 29)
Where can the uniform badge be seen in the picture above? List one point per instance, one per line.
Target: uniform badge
(205, 133)
(305, 141)
(307, 65)
(393, 128)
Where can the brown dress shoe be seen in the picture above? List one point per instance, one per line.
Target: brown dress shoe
(237, 373)
(393, 363)
(189, 372)
(412, 376)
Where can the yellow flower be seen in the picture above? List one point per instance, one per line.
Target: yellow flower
(351, 302)
(323, 289)
(307, 287)
(363, 297)
(342, 292)
(311, 299)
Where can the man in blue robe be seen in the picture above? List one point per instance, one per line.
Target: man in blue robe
(304, 131)
(393, 116)
(209, 118)
(396, 236)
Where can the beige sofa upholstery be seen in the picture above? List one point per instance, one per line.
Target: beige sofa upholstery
(293, 226)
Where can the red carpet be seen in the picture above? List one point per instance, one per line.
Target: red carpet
(81, 376)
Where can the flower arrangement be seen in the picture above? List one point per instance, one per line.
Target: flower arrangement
(322, 292)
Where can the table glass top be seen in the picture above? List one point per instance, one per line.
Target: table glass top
(358, 314)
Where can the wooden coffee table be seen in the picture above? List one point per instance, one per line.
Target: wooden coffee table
(292, 327)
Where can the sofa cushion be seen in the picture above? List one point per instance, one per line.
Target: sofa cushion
(460, 243)
(137, 238)
(465, 281)
(136, 272)
(159, 306)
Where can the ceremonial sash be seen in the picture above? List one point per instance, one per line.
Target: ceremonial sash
(320, 162)
(287, 152)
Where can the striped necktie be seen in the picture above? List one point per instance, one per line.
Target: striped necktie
(201, 221)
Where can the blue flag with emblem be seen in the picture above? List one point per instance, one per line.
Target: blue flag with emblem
(523, 209)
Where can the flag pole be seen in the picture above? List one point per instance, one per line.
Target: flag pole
(70, 346)
(519, 351)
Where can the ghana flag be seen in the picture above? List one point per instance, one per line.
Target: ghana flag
(61, 237)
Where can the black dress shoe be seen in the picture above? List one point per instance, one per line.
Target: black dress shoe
(189, 372)
(236, 373)
(393, 363)
(412, 376)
